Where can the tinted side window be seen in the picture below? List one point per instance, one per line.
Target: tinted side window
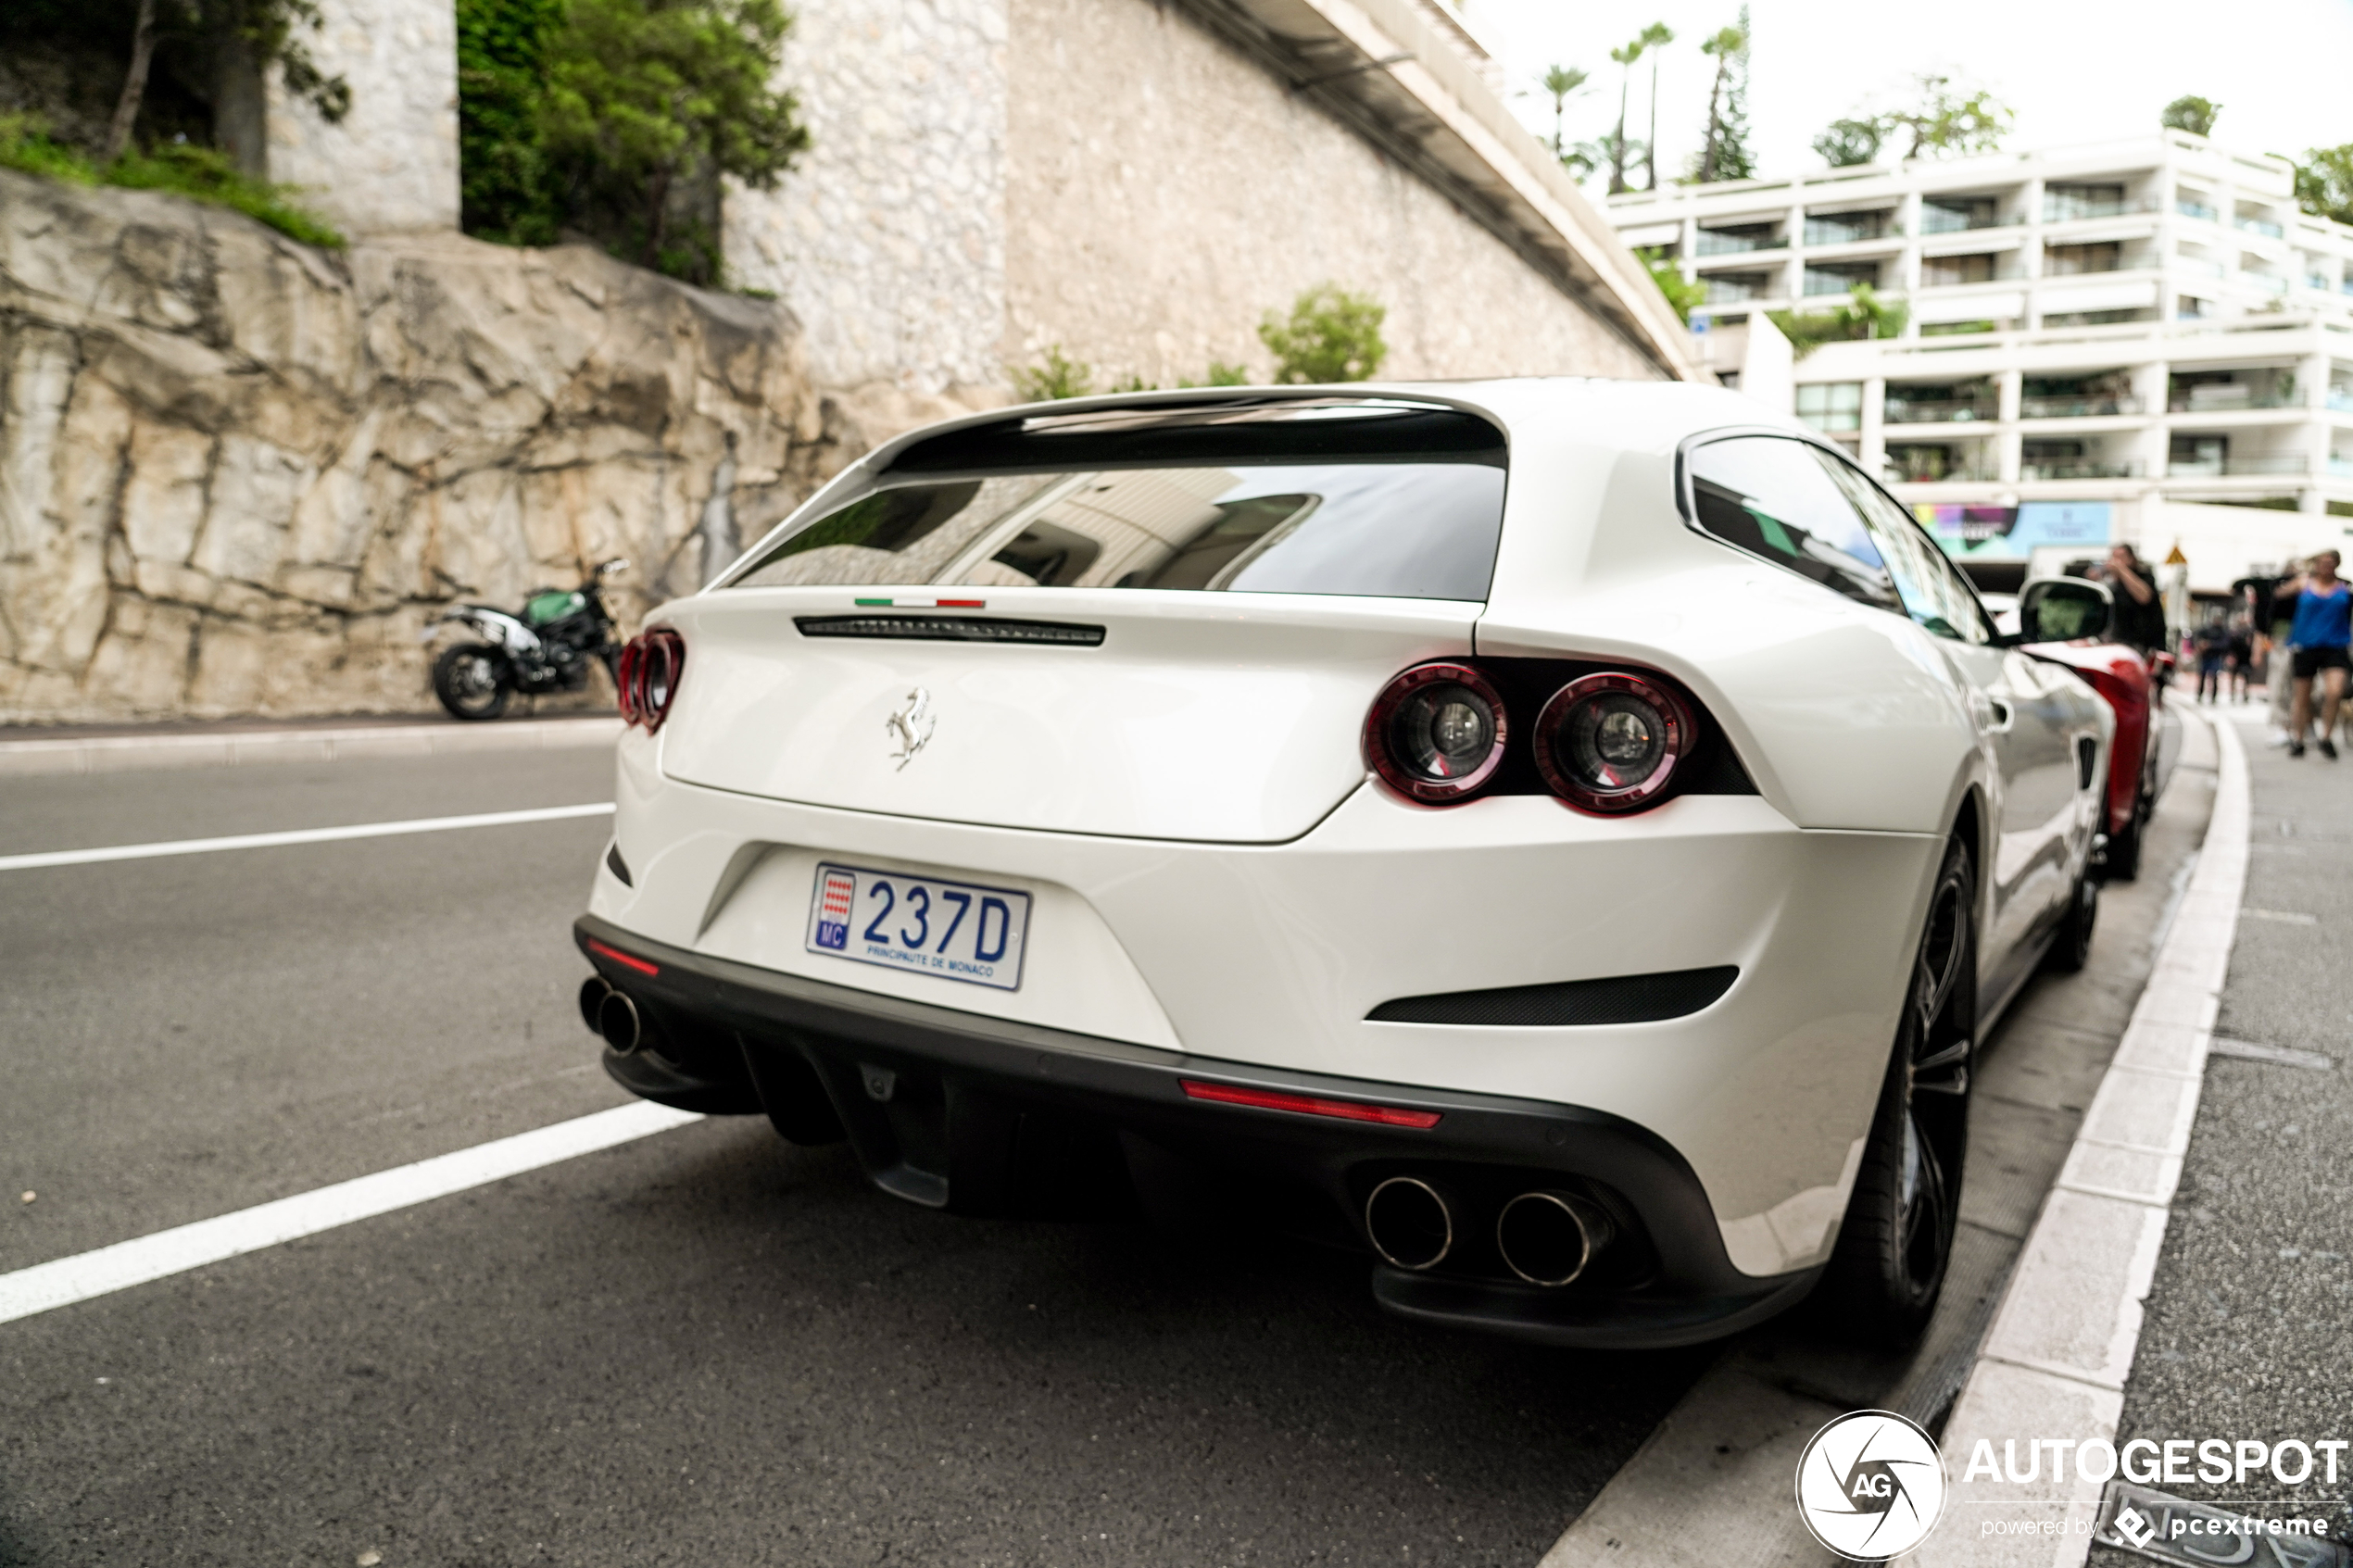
(1928, 584)
(1777, 498)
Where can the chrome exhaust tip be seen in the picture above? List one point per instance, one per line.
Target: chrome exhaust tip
(1549, 1239)
(1409, 1223)
(593, 992)
(617, 1020)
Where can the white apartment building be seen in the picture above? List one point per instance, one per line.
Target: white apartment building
(2146, 340)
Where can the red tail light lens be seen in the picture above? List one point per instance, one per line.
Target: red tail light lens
(1611, 742)
(648, 676)
(1309, 1105)
(1436, 732)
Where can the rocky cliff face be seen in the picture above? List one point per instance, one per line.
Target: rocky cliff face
(241, 476)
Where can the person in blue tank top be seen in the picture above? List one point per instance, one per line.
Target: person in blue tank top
(2316, 640)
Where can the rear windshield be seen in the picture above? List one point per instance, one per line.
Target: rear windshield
(1417, 524)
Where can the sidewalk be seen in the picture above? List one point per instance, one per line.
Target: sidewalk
(26, 750)
(2250, 1328)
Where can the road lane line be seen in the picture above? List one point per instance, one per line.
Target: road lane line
(45, 1287)
(298, 836)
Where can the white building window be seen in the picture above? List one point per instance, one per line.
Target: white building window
(1832, 407)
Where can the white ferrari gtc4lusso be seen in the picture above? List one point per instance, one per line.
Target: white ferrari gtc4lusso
(1563, 838)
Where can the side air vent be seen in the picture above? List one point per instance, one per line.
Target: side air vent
(948, 629)
(618, 866)
(1631, 998)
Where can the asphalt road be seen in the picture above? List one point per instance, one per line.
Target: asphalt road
(702, 1347)
(2250, 1332)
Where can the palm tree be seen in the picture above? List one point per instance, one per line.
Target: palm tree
(1727, 46)
(1655, 36)
(1561, 82)
(1624, 58)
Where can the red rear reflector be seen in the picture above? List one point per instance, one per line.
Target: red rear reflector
(627, 960)
(1309, 1105)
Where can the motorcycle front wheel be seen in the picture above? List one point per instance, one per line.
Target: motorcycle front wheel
(473, 681)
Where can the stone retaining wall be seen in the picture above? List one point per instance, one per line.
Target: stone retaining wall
(240, 476)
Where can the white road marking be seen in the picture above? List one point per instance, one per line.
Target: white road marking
(2286, 1056)
(298, 836)
(2284, 917)
(46, 1287)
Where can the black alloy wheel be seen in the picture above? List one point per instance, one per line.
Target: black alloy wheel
(1888, 1267)
(473, 681)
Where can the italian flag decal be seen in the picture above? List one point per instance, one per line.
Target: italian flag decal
(921, 603)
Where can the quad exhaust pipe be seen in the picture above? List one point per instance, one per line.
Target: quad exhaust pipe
(1410, 1223)
(1550, 1238)
(611, 1014)
(1546, 1238)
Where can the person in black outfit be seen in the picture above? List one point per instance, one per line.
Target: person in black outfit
(2213, 649)
(2140, 614)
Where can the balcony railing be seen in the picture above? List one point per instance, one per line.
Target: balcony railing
(2315, 281)
(1819, 282)
(2262, 226)
(2211, 468)
(2198, 210)
(2263, 281)
(2079, 470)
(2229, 397)
(1736, 290)
(1837, 231)
(2060, 207)
(2199, 265)
(1715, 242)
(2076, 407)
(2340, 399)
(1939, 410)
(1975, 475)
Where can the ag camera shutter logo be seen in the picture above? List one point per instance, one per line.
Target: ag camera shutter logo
(1871, 1485)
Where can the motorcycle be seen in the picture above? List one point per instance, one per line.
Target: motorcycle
(547, 646)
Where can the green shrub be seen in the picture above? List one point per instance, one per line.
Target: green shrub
(1056, 376)
(646, 104)
(1333, 336)
(206, 174)
(1866, 317)
(1683, 295)
(25, 145)
(179, 168)
(507, 194)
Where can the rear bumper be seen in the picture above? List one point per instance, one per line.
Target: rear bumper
(988, 1115)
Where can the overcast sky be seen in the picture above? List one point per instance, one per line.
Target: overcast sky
(2075, 71)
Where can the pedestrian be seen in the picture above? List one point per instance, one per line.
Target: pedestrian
(2241, 654)
(2140, 614)
(2319, 634)
(2213, 645)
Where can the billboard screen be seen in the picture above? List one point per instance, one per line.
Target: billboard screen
(2014, 533)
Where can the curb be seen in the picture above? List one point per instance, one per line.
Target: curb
(2062, 1340)
(117, 754)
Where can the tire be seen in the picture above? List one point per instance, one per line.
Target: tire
(1888, 1266)
(2124, 851)
(2073, 946)
(473, 681)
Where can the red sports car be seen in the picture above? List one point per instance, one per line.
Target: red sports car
(2073, 621)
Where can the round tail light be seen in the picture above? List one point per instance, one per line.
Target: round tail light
(1436, 732)
(1611, 742)
(648, 676)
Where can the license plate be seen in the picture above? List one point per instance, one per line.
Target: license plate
(955, 930)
